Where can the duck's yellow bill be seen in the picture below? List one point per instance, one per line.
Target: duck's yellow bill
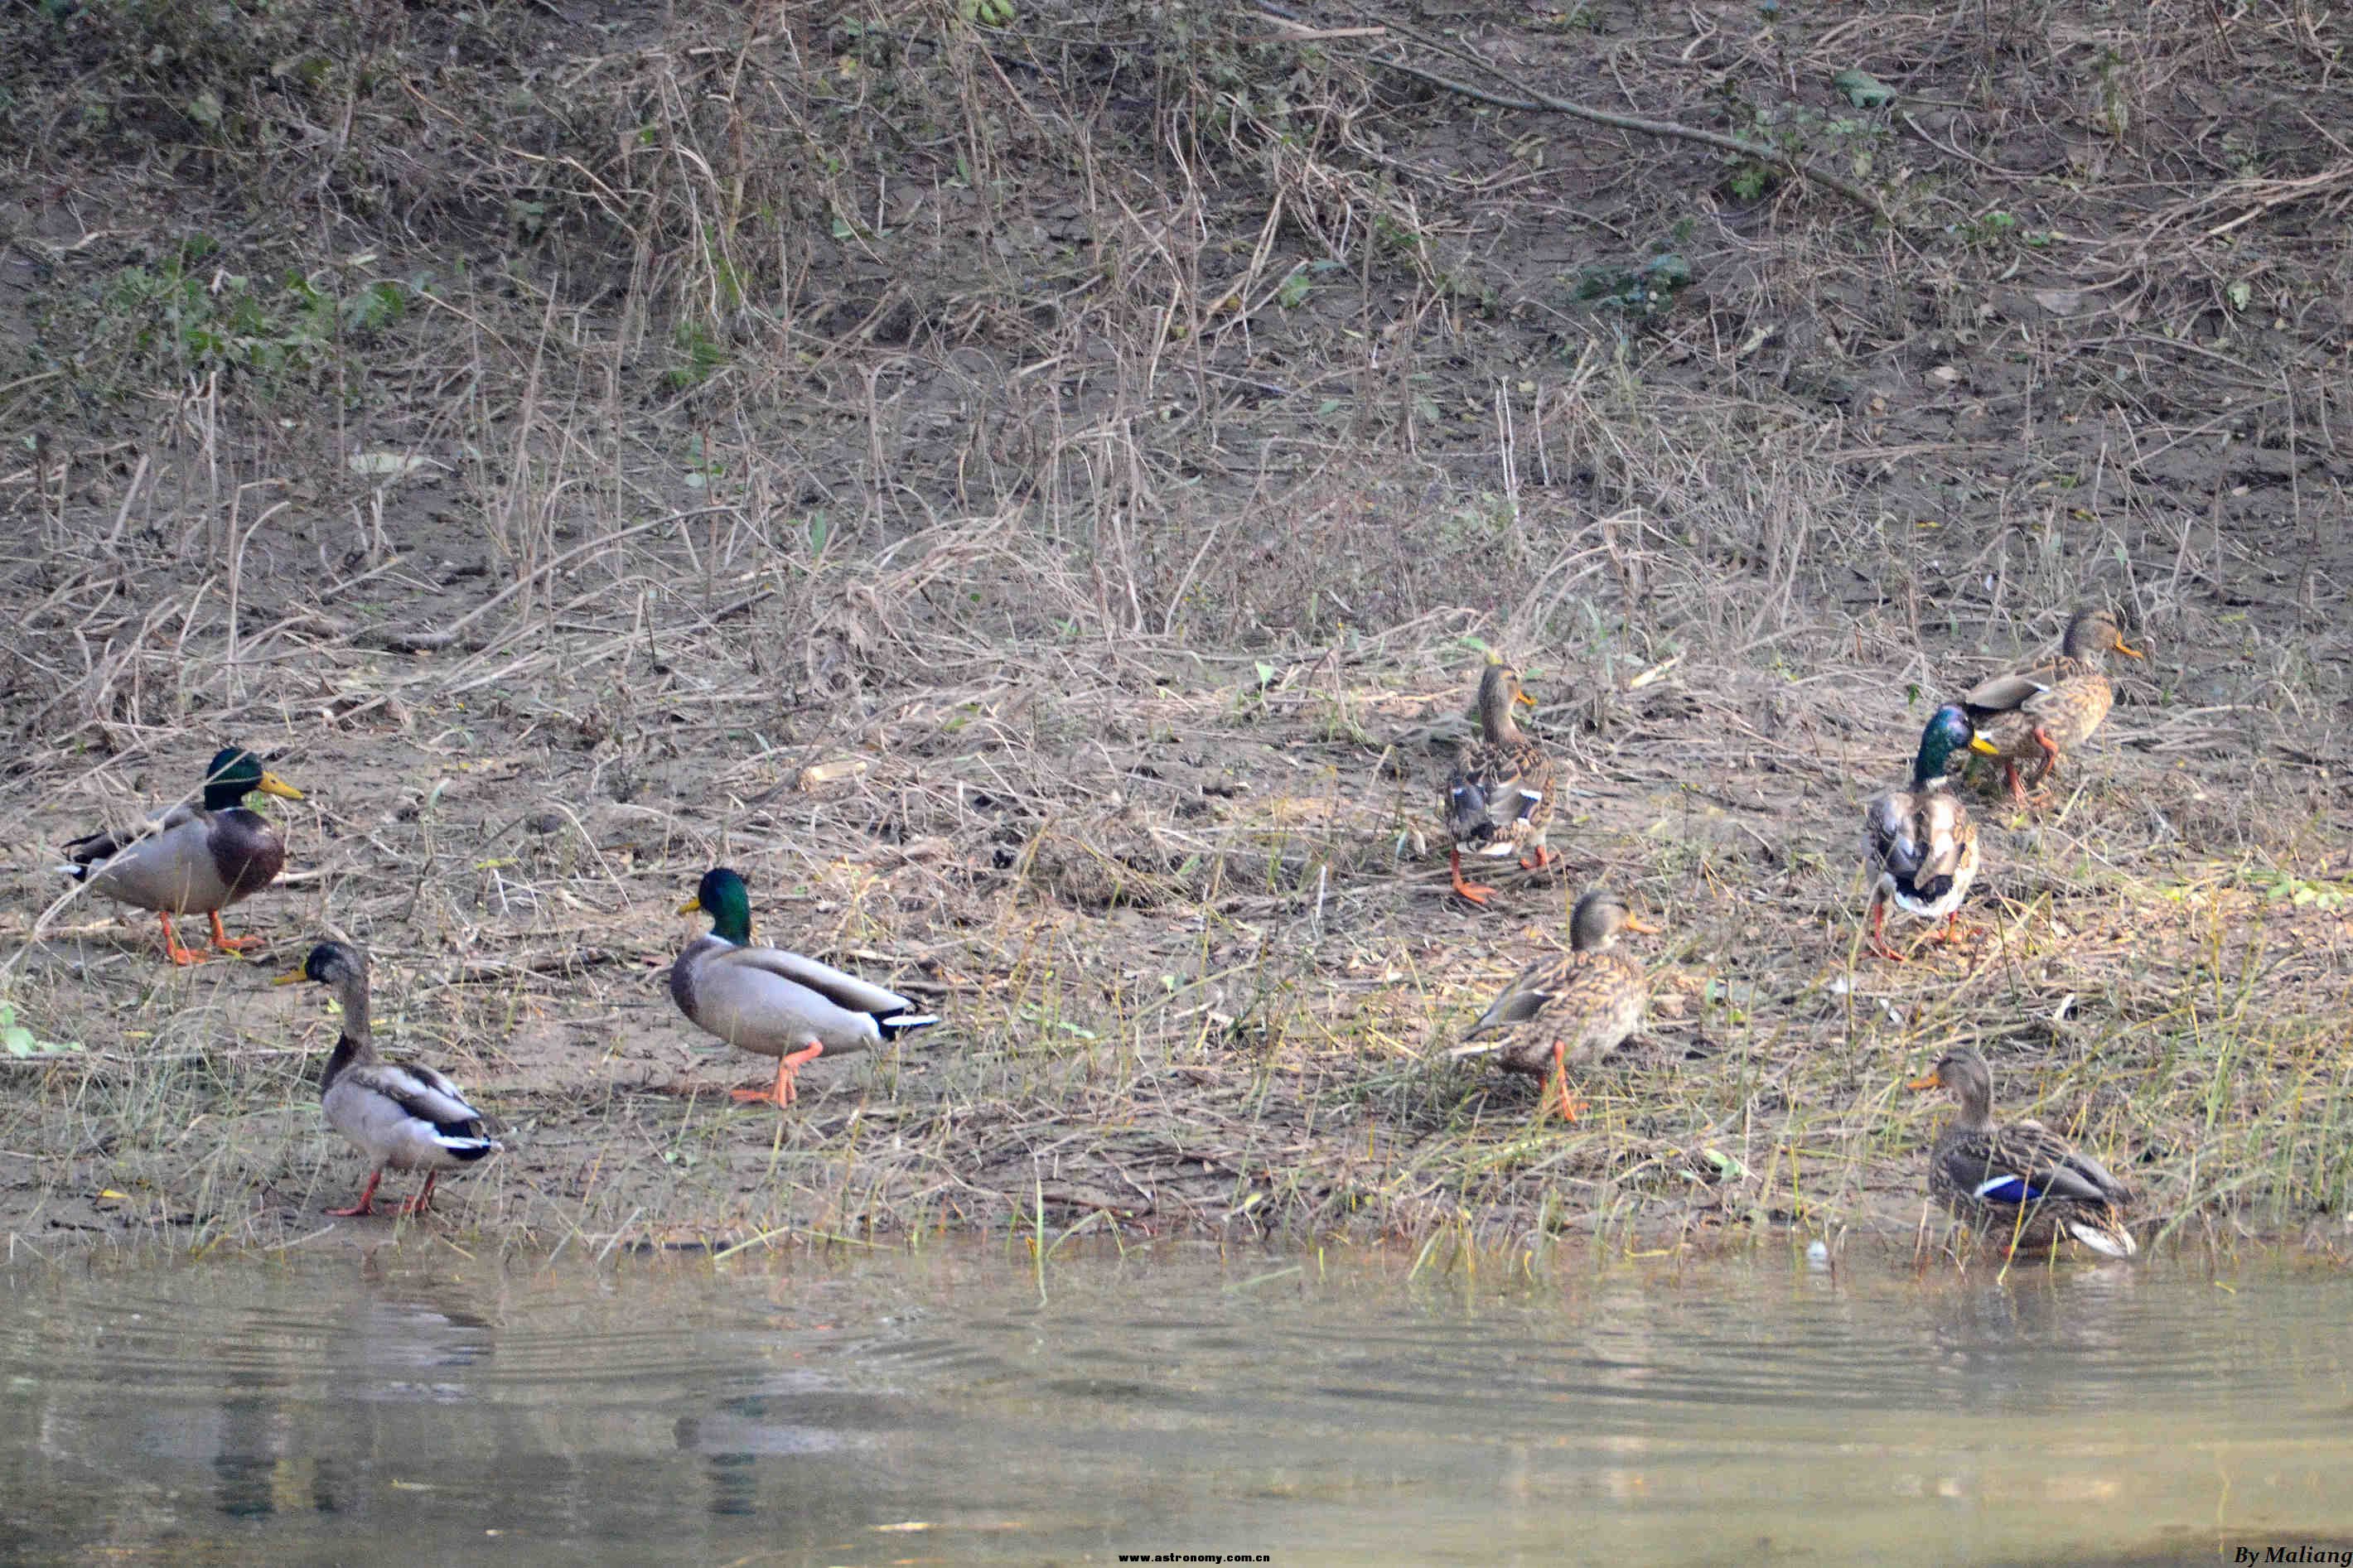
(294, 979)
(1928, 1083)
(272, 784)
(1524, 697)
(691, 906)
(1981, 744)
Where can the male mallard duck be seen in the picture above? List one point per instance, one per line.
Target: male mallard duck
(199, 860)
(1499, 798)
(1577, 1006)
(1919, 845)
(772, 1003)
(2022, 1184)
(403, 1116)
(2052, 707)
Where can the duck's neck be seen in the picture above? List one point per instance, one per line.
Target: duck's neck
(357, 1045)
(1496, 720)
(1976, 1112)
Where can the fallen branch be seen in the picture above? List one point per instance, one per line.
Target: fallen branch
(1534, 99)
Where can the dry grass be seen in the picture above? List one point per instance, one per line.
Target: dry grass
(1034, 504)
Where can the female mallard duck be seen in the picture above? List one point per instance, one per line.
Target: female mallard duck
(2024, 1183)
(1919, 847)
(199, 860)
(2052, 707)
(403, 1116)
(1578, 1007)
(1499, 798)
(772, 1003)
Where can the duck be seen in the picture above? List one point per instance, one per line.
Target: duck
(198, 859)
(772, 1003)
(1499, 798)
(2022, 1184)
(1919, 847)
(404, 1115)
(2050, 708)
(1577, 1006)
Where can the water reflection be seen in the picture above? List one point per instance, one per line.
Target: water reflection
(893, 1408)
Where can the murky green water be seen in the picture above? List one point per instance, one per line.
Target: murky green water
(420, 1406)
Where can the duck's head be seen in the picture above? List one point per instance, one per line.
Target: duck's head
(1499, 693)
(1948, 730)
(2094, 632)
(722, 895)
(343, 970)
(1600, 915)
(334, 965)
(1962, 1073)
(235, 772)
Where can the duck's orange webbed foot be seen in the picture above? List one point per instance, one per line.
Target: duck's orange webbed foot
(785, 1092)
(227, 943)
(1571, 1108)
(1472, 891)
(172, 948)
(422, 1201)
(367, 1205)
(1877, 940)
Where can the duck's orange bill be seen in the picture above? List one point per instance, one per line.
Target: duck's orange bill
(1928, 1083)
(2128, 650)
(1524, 697)
(1645, 927)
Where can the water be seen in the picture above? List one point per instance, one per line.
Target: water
(413, 1405)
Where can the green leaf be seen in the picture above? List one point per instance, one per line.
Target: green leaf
(204, 109)
(1863, 89)
(18, 1040)
(1265, 675)
(2239, 294)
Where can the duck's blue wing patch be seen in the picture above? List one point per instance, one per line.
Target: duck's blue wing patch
(2007, 1190)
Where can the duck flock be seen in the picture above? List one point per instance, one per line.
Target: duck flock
(2019, 1186)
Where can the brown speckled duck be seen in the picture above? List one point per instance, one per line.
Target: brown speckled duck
(2050, 708)
(1575, 1007)
(199, 860)
(1499, 798)
(2021, 1186)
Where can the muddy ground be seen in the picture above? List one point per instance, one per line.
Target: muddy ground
(1036, 499)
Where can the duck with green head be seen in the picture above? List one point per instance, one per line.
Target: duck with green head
(198, 859)
(1919, 847)
(402, 1115)
(772, 1003)
(1499, 798)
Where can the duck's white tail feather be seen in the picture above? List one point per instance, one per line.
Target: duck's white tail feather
(466, 1148)
(899, 1023)
(2116, 1242)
